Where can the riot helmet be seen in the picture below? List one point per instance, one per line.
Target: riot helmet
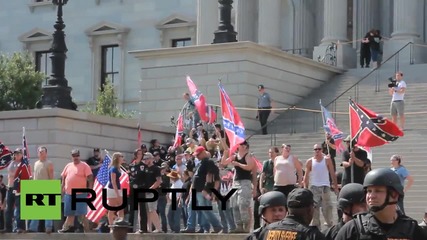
(271, 199)
(350, 194)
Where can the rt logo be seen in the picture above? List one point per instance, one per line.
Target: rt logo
(40, 199)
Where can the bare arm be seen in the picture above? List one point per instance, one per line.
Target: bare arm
(114, 183)
(90, 181)
(50, 171)
(357, 161)
(249, 166)
(332, 172)
(306, 180)
(409, 184)
(157, 183)
(298, 167)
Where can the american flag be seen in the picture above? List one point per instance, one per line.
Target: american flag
(233, 125)
(23, 172)
(101, 181)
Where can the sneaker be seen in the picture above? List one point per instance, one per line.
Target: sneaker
(187, 230)
(157, 231)
(66, 230)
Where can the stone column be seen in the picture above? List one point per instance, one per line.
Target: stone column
(366, 18)
(303, 28)
(405, 20)
(335, 30)
(405, 29)
(269, 29)
(335, 21)
(245, 20)
(207, 20)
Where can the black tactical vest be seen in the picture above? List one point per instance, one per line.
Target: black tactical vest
(369, 229)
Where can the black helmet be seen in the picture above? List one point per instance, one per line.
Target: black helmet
(271, 199)
(350, 194)
(383, 177)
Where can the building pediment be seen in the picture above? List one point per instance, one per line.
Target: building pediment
(36, 34)
(174, 21)
(104, 28)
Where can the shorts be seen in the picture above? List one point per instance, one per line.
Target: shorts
(81, 207)
(151, 206)
(112, 194)
(397, 108)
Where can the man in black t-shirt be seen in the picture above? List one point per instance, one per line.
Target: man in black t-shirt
(95, 162)
(205, 178)
(152, 181)
(359, 159)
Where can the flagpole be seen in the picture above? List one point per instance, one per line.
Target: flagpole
(323, 120)
(351, 144)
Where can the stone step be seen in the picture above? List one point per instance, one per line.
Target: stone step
(132, 236)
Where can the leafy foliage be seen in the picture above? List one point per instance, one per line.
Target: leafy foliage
(106, 103)
(20, 84)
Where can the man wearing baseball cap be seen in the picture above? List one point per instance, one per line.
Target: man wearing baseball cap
(205, 178)
(296, 224)
(264, 108)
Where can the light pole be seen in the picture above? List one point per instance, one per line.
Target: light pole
(225, 32)
(57, 93)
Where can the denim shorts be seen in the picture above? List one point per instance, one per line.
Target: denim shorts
(81, 207)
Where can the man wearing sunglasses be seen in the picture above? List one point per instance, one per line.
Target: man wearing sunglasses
(319, 168)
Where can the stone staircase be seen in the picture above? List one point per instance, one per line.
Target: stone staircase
(302, 129)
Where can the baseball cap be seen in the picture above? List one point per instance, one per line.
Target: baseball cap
(164, 165)
(199, 149)
(75, 152)
(147, 155)
(18, 150)
(300, 198)
(260, 87)
(143, 146)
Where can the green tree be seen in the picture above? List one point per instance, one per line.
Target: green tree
(20, 84)
(106, 103)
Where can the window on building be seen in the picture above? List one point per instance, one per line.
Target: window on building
(43, 63)
(110, 63)
(181, 42)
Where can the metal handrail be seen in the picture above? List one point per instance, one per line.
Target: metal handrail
(367, 75)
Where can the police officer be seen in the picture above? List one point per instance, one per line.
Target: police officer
(296, 224)
(383, 221)
(272, 208)
(351, 201)
(136, 180)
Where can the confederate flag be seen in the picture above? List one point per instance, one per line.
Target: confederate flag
(368, 129)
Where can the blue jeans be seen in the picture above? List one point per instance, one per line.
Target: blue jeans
(193, 216)
(161, 210)
(13, 212)
(208, 215)
(34, 225)
(227, 219)
(174, 218)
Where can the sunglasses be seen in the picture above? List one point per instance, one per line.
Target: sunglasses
(317, 149)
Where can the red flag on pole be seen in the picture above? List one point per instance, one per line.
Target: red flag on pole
(179, 130)
(368, 129)
(198, 99)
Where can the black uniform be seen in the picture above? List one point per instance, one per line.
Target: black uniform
(255, 234)
(291, 228)
(136, 180)
(367, 227)
(332, 232)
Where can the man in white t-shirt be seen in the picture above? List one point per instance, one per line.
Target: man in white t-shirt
(397, 107)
